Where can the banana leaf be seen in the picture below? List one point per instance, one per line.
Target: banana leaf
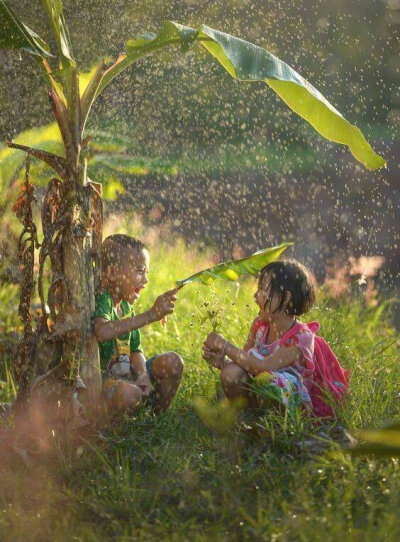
(16, 35)
(233, 269)
(55, 14)
(248, 62)
(383, 442)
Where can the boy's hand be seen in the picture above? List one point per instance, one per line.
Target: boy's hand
(143, 382)
(164, 304)
(215, 341)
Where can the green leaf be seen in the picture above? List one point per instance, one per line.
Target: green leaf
(55, 14)
(108, 142)
(248, 62)
(232, 270)
(110, 158)
(383, 442)
(14, 34)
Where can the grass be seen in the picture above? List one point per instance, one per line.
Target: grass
(182, 476)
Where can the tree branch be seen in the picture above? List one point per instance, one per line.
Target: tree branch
(58, 163)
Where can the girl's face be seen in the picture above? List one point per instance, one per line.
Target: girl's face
(267, 303)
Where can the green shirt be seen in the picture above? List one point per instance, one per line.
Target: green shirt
(125, 344)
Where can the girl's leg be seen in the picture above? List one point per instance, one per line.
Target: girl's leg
(235, 382)
(167, 373)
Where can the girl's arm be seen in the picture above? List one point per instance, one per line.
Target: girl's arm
(282, 357)
(250, 338)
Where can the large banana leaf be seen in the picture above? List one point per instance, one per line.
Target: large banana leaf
(16, 35)
(248, 62)
(232, 270)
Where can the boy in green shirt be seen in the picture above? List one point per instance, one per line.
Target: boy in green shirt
(131, 379)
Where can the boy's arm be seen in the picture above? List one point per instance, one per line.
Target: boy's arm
(105, 330)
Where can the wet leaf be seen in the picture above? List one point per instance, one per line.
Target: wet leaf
(381, 442)
(14, 34)
(248, 62)
(55, 13)
(233, 269)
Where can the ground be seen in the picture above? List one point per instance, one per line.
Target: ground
(193, 473)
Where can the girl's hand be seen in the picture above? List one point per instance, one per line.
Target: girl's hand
(215, 341)
(216, 358)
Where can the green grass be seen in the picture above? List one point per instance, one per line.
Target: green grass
(188, 475)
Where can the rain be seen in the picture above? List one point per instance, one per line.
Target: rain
(203, 168)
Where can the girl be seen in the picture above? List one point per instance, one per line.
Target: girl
(274, 363)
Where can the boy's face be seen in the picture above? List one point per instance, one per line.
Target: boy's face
(132, 276)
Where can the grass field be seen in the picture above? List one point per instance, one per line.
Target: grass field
(191, 473)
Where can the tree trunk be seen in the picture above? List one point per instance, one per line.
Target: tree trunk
(62, 358)
(63, 355)
(80, 259)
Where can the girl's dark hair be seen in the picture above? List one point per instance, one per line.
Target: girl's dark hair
(290, 276)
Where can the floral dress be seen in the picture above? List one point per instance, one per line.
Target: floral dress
(288, 385)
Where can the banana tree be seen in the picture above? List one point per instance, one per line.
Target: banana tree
(71, 213)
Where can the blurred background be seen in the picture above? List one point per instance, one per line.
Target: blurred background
(225, 164)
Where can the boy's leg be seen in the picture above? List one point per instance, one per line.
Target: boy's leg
(121, 395)
(166, 373)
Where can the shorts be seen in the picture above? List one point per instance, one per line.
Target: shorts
(110, 384)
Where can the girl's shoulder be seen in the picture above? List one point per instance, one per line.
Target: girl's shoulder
(302, 336)
(258, 326)
(303, 328)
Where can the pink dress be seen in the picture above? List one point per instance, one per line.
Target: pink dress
(288, 385)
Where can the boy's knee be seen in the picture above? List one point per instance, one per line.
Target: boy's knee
(128, 396)
(232, 375)
(175, 363)
(168, 364)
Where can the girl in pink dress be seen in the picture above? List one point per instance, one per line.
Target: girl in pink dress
(275, 362)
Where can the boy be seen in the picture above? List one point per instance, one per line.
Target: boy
(124, 268)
